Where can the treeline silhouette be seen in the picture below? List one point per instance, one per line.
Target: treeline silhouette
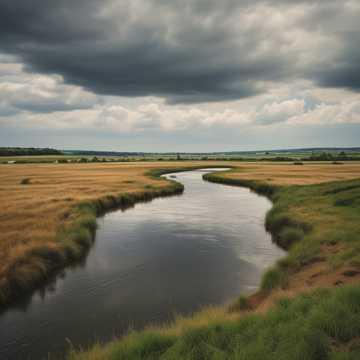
(19, 151)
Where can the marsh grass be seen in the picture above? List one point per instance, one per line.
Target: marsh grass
(315, 326)
(74, 237)
(273, 278)
(48, 226)
(306, 218)
(240, 304)
(257, 186)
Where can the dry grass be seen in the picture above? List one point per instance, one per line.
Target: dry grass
(290, 174)
(38, 199)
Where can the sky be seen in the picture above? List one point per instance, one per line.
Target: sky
(189, 75)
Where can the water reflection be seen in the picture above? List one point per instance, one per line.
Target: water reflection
(173, 255)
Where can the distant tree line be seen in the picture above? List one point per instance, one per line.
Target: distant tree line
(323, 156)
(326, 156)
(19, 151)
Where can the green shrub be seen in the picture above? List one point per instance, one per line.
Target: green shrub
(289, 235)
(276, 220)
(274, 277)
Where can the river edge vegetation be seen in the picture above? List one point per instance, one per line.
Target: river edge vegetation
(43, 194)
(74, 239)
(319, 225)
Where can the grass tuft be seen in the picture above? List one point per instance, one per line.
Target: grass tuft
(25, 181)
(273, 278)
(240, 304)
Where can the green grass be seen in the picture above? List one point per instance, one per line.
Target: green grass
(257, 186)
(240, 304)
(323, 325)
(304, 220)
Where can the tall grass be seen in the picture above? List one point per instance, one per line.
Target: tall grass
(323, 325)
(73, 239)
(257, 186)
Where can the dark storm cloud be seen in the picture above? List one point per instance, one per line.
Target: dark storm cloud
(185, 51)
(345, 72)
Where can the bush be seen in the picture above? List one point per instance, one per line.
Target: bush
(290, 235)
(275, 277)
(275, 221)
(25, 181)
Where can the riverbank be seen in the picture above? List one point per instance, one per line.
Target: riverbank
(322, 325)
(319, 225)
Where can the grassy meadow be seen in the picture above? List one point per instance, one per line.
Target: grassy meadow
(49, 213)
(49, 219)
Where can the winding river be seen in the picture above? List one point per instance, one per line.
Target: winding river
(171, 255)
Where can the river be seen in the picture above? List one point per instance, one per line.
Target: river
(170, 256)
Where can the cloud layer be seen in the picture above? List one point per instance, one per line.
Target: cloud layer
(192, 74)
(186, 51)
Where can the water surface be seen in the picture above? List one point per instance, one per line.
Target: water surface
(172, 255)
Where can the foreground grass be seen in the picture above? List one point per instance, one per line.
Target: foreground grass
(322, 325)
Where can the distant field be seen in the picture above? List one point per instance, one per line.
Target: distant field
(51, 158)
(291, 174)
(279, 156)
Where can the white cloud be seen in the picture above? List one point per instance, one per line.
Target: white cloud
(343, 113)
(22, 91)
(155, 116)
(29, 100)
(280, 111)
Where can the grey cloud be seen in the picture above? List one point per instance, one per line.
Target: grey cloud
(185, 51)
(20, 91)
(345, 71)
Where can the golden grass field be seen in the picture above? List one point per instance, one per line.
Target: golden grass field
(32, 212)
(290, 174)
